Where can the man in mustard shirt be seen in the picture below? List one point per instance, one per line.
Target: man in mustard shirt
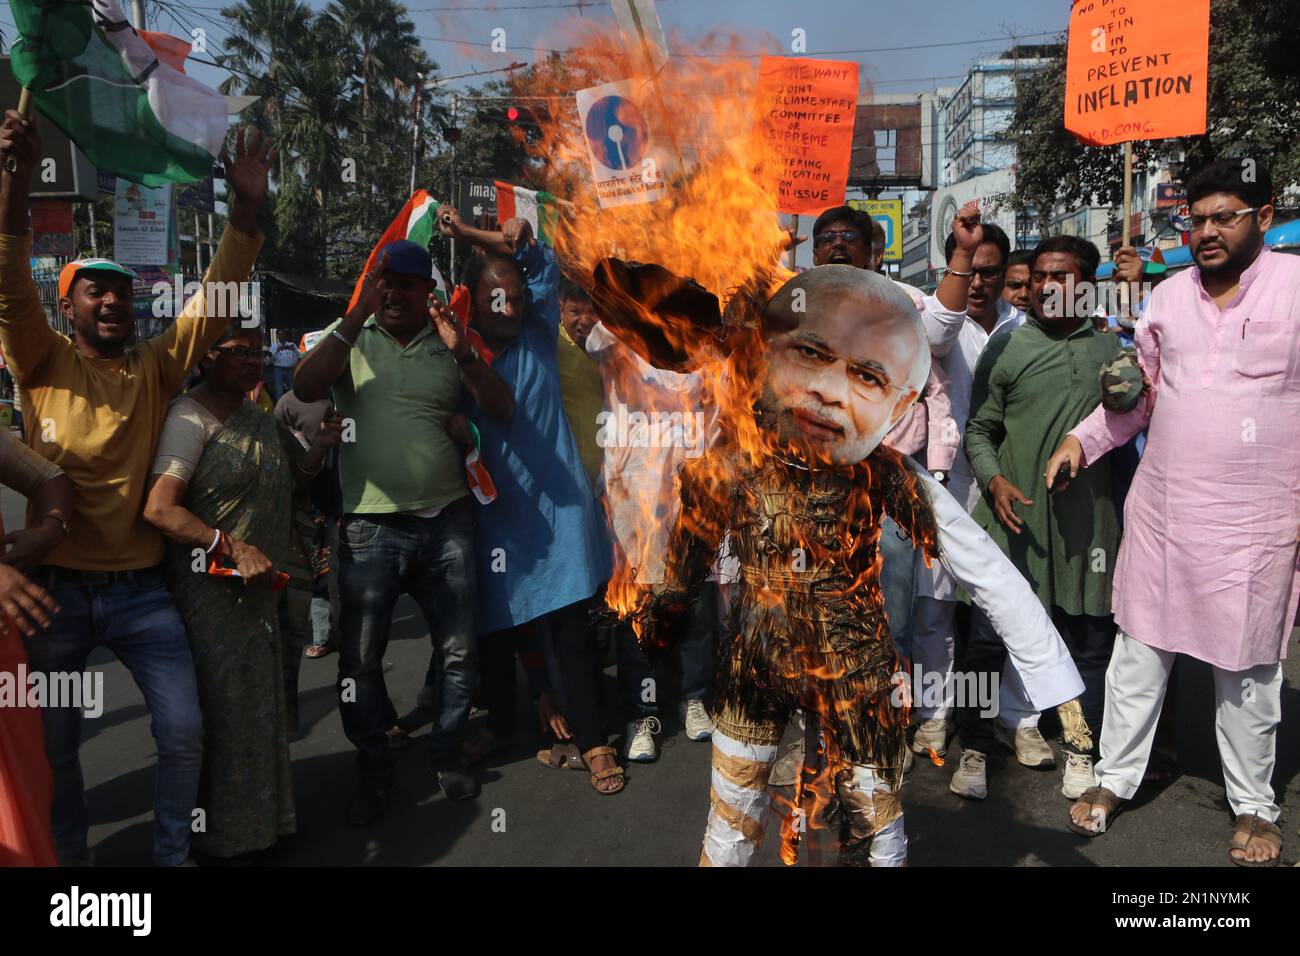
(96, 404)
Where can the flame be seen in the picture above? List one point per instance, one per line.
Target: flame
(716, 222)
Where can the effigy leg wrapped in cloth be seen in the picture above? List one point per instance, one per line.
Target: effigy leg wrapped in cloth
(867, 805)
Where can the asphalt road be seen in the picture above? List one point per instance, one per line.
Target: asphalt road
(529, 814)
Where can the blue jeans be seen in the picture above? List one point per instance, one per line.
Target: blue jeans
(432, 559)
(898, 582)
(138, 621)
(696, 649)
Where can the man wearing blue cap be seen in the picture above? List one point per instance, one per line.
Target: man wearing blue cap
(95, 405)
(408, 522)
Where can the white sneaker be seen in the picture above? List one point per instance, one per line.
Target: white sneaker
(931, 734)
(1030, 747)
(699, 725)
(639, 740)
(971, 780)
(1078, 775)
(788, 764)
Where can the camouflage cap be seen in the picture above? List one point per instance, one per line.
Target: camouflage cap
(1121, 382)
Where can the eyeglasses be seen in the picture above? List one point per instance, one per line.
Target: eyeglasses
(1221, 220)
(826, 238)
(865, 381)
(238, 351)
(988, 273)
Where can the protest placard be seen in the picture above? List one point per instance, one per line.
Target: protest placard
(805, 114)
(1137, 69)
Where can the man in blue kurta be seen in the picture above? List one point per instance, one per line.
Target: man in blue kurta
(543, 551)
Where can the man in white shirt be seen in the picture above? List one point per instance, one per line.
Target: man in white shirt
(957, 346)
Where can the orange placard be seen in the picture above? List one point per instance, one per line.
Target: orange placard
(806, 113)
(1137, 69)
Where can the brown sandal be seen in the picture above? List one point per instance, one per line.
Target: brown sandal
(1250, 826)
(562, 757)
(1110, 805)
(614, 773)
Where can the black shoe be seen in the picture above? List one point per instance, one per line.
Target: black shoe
(369, 803)
(457, 784)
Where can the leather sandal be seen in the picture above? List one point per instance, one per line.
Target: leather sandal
(562, 757)
(1110, 805)
(614, 773)
(1251, 826)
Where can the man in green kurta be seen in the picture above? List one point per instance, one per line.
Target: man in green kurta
(1030, 384)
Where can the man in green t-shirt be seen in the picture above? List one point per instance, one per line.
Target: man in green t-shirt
(398, 366)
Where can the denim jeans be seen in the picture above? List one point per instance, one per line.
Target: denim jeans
(697, 658)
(898, 583)
(138, 621)
(432, 559)
(325, 595)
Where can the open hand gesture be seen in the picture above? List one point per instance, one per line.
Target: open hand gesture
(248, 174)
(448, 329)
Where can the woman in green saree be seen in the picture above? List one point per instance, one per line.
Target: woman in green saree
(221, 492)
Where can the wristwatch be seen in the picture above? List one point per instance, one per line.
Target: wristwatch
(63, 522)
(471, 355)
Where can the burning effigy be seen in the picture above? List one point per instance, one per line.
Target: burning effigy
(802, 375)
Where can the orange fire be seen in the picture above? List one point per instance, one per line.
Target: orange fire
(716, 223)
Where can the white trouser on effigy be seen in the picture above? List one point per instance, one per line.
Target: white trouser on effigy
(1248, 708)
(739, 798)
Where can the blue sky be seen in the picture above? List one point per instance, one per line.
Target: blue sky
(449, 27)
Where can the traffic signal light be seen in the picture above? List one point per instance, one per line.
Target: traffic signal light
(527, 118)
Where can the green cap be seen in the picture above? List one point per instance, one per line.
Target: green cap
(1121, 382)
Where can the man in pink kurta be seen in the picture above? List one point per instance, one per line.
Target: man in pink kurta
(1208, 563)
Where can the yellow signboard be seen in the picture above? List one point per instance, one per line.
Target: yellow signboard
(889, 213)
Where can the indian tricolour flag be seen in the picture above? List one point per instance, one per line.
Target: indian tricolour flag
(538, 207)
(414, 222)
(119, 97)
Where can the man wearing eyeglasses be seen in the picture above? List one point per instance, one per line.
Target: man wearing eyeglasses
(1208, 566)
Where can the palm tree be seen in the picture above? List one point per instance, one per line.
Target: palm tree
(385, 53)
(319, 114)
(266, 38)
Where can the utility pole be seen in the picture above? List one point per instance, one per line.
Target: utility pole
(453, 198)
(415, 122)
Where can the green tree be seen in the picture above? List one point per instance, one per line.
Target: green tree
(1253, 110)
